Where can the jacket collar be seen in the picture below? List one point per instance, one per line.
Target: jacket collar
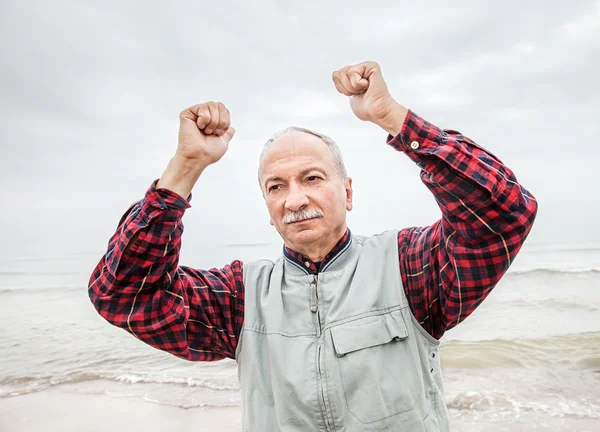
(310, 267)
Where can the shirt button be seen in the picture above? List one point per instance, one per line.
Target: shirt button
(414, 145)
(307, 264)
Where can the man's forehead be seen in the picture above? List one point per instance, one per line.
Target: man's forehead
(295, 151)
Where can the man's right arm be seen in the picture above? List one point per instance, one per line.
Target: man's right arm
(138, 284)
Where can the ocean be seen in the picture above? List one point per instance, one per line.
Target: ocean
(527, 359)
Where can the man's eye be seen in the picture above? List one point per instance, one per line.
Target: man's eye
(274, 188)
(312, 178)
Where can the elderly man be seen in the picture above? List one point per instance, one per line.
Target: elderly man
(342, 332)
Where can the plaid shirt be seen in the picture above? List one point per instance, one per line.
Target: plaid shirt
(447, 268)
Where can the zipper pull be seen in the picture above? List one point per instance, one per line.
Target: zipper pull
(313, 295)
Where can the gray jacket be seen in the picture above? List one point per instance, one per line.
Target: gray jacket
(340, 351)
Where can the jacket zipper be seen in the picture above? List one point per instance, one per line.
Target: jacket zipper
(314, 301)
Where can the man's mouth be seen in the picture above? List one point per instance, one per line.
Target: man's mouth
(303, 220)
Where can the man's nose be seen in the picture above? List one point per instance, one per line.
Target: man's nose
(296, 199)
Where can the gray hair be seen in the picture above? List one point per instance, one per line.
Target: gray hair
(333, 147)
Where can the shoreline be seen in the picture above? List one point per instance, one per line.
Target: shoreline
(76, 408)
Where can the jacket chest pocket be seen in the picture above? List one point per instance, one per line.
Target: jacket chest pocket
(377, 369)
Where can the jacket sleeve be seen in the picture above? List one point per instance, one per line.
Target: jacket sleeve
(450, 267)
(139, 286)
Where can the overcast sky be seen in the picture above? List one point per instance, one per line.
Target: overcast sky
(91, 92)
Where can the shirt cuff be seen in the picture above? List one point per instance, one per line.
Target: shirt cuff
(416, 136)
(166, 199)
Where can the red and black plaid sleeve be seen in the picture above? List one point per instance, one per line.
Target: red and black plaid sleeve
(139, 286)
(450, 267)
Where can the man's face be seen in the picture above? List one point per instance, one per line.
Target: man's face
(304, 191)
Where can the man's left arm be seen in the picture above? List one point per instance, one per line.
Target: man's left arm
(450, 267)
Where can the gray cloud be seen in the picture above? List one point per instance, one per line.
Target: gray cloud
(91, 94)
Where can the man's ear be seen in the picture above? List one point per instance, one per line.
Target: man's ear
(349, 193)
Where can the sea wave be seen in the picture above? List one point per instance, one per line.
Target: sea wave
(503, 404)
(38, 273)
(190, 405)
(553, 271)
(165, 379)
(15, 386)
(549, 352)
(573, 305)
(54, 288)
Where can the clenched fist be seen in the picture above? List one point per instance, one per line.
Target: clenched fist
(204, 133)
(370, 98)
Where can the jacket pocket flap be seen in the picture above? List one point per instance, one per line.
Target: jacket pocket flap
(368, 332)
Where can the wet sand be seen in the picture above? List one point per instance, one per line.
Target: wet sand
(68, 409)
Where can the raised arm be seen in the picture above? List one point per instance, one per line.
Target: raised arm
(138, 284)
(450, 267)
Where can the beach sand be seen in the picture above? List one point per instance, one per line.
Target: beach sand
(67, 408)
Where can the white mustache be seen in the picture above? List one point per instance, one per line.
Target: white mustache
(301, 215)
